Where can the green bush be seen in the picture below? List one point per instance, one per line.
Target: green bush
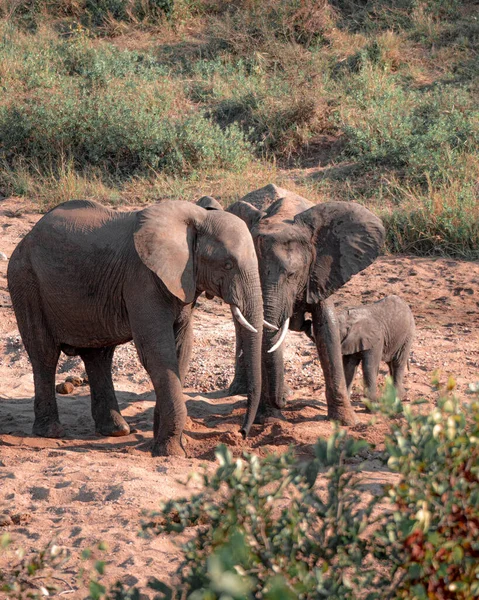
(427, 134)
(432, 538)
(263, 527)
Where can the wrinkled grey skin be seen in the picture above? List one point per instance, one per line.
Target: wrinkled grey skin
(374, 332)
(87, 278)
(305, 253)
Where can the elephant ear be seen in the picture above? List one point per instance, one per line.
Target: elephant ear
(165, 240)
(358, 332)
(347, 238)
(247, 212)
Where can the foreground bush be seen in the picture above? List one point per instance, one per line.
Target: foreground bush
(263, 527)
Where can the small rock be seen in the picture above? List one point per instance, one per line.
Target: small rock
(76, 381)
(5, 520)
(65, 388)
(3, 256)
(21, 518)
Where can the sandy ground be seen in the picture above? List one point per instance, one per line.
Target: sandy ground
(85, 488)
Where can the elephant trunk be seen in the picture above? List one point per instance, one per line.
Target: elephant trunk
(276, 313)
(246, 295)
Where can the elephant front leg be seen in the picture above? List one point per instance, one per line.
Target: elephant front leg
(158, 354)
(104, 405)
(328, 343)
(184, 346)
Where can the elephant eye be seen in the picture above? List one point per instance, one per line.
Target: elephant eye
(228, 265)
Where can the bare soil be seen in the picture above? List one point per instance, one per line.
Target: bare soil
(85, 488)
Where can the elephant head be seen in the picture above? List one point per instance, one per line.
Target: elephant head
(305, 253)
(194, 250)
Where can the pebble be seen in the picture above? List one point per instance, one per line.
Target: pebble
(74, 380)
(5, 520)
(65, 388)
(3, 256)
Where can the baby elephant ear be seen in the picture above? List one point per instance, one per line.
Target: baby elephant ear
(346, 237)
(247, 212)
(358, 331)
(165, 241)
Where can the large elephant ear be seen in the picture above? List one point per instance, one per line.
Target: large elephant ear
(347, 238)
(165, 241)
(247, 212)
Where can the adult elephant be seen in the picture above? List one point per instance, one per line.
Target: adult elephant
(87, 278)
(305, 253)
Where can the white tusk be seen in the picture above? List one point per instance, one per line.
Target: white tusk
(241, 320)
(240, 353)
(284, 331)
(270, 326)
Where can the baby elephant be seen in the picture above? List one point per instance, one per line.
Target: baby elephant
(383, 330)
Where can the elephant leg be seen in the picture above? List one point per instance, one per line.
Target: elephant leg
(44, 353)
(104, 405)
(239, 385)
(350, 365)
(156, 346)
(370, 362)
(328, 343)
(47, 420)
(397, 368)
(184, 347)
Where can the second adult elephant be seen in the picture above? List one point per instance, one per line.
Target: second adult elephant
(305, 253)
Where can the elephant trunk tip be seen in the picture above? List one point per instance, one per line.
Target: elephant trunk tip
(245, 429)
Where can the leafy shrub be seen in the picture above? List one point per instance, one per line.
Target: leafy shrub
(18, 582)
(427, 133)
(432, 538)
(264, 527)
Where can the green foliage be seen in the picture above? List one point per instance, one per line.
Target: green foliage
(264, 527)
(432, 537)
(31, 576)
(109, 109)
(427, 133)
(125, 91)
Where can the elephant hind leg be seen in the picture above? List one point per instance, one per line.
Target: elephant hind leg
(104, 405)
(350, 365)
(47, 421)
(43, 352)
(397, 368)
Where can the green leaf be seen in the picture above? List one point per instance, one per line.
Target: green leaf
(96, 590)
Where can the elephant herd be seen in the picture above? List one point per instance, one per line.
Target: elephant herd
(87, 278)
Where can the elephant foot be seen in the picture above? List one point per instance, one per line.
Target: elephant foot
(169, 447)
(48, 429)
(268, 414)
(344, 414)
(114, 426)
